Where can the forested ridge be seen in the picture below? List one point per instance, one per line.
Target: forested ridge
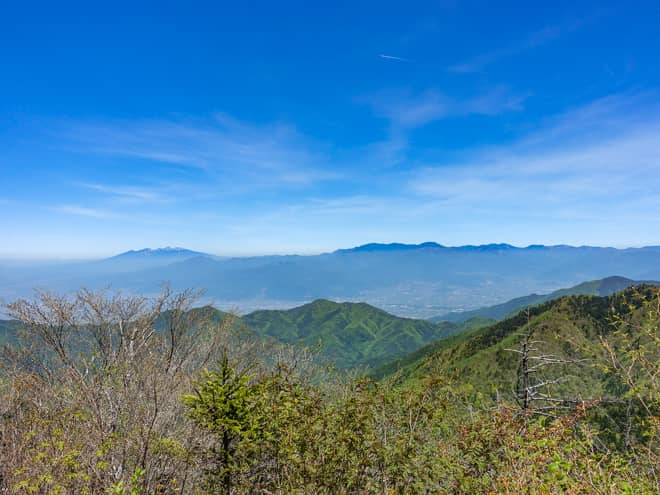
(107, 393)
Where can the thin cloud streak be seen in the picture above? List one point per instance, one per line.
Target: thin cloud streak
(132, 194)
(406, 110)
(84, 211)
(392, 57)
(536, 39)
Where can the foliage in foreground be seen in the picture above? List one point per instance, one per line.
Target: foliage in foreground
(107, 397)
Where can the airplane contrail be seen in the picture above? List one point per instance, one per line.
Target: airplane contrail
(392, 57)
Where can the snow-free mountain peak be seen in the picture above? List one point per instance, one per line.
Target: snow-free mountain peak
(157, 252)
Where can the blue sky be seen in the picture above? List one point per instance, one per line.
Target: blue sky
(295, 127)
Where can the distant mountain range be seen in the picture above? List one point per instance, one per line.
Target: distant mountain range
(175, 253)
(136, 260)
(603, 287)
(396, 246)
(420, 280)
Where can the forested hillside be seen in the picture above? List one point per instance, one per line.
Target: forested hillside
(129, 395)
(602, 287)
(345, 335)
(349, 334)
(570, 329)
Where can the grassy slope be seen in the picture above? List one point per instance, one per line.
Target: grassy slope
(350, 334)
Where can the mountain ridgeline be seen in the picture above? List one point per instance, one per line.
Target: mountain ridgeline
(358, 335)
(346, 335)
(568, 329)
(350, 334)
(602, 287)
(418, 280)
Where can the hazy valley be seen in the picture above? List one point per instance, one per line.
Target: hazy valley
(422, 281)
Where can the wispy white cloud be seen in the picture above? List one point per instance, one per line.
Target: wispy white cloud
(600, 159)
(392, 57)
(407, 110)
(271, 154)
(534, 40)
(130, 194)
(590, 173)
(84, 211)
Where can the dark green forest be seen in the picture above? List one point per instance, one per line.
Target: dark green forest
(109, 393)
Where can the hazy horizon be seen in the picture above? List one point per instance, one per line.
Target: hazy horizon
(221, 254)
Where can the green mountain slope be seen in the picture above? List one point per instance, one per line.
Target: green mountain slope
(349, 334)
(411, 361)
(569, 329)
(602, 287)
(346, 334)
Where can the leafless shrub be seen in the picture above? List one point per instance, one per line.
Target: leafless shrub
(91, 395)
